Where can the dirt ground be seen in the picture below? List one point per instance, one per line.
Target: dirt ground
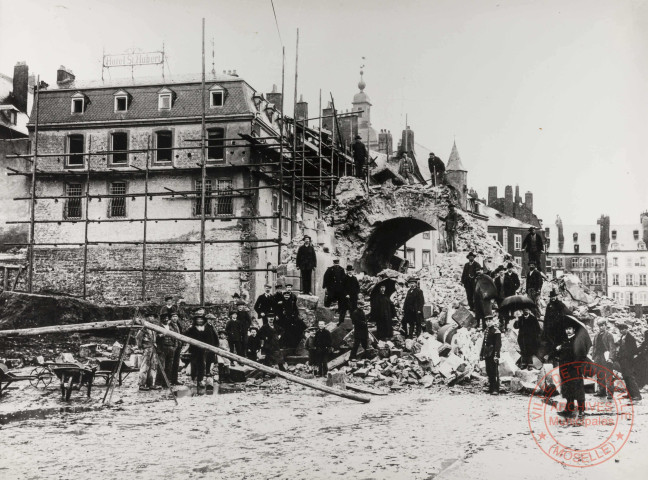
(288, 431)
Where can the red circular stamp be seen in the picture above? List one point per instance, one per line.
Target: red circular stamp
(604, 423)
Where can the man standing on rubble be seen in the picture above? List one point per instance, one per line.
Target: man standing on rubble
(511, 281)
(360, 329)
(322, 346)
(437, 169)
(413, 309)
(528, 337)
(573, 352)
(333, 283)
(270, 344)
(553, 333)
(468, 279)
(382, 313)
(245, 319)
(406, 169)
(359, 156)
(533, 245)
(306, 263)
(169, 309)
(350, 292)
(534, 284)
(146, 340)
(166, 346)
(490, 353)
(451, 221)
(198, 331)
(265, 303)
(175, 321)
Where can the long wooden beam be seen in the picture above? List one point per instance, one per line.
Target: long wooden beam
(79, 327)
(255, 365)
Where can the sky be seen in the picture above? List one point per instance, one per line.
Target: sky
(551, 96)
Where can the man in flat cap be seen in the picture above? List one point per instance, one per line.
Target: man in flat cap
(306, 263)
(437, 169)
(626, 358)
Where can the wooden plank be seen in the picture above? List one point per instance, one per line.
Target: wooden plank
(363, 389)
(80, 327)
(255, 365)
(339, 361)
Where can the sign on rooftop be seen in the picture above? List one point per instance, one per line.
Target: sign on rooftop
(132, 59)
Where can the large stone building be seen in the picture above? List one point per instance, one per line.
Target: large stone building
(119, 202)
(627, 261)
(579, 250)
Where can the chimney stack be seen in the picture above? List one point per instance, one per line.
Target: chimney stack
(508, 193)
(604, 223)
(492, 195)
(21, 86)
(528, 201)
(407, 140)
(301, 109)
(274, 97)
(64, 77)
(518, 199)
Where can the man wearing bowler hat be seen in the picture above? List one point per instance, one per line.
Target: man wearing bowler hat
(350, 292)
(468, 278)
(333, 283)
(413, 309)
(306, 263)
(626, 359)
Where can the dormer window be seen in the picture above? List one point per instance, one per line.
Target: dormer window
(78, 103)
(121, 101)
(165, 99)
(216, 96)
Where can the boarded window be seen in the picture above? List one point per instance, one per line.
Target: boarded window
(215, 144)
(427, 258)
(286, 215)
(164, 145)
(224, 202)
(208, 198)
(118, 203)
(119, 147)
(73, 206)
(275, 211)
(75, 149)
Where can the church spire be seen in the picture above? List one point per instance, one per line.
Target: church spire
(454, 162)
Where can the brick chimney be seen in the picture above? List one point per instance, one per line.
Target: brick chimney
(407, 141)
(274, 97)
(528, 201)
(518, 199)
(385, 142)
(20, 86)
(64, 77)
(492, 195)
(301, 109)
(327, 122)
(604, 223)
(508, 193)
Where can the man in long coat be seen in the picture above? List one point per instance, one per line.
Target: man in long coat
(265, 303)
(511, 281)
(413, 309)
(451, 222)
(602, 351)
(359, 156)
(382, 312)
(437, 169)
(534, 284)
(528, 337)
(333, 283)
(350, 292)
(406, 169)
(553, 333)
(360, 329)
(573, 352)
(626, 358)
(306, 263)
(534, 246)
(468, 278)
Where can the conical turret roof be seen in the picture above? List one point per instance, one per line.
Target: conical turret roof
(454, 162)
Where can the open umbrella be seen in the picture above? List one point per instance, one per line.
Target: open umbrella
(571, 319)
(516, 302)
(390, 287)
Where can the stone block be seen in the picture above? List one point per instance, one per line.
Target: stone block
(427, 311)
(88, 350)
(65, 358)
(337, 380)
(464, 317)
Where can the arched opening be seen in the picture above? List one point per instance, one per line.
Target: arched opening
(386, 239)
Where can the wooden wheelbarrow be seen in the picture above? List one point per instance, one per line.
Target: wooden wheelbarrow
(7, 378)
(72, 377)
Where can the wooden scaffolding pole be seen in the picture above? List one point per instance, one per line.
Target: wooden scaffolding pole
(30, 275)
(282, 127)
(86, 223)
(144, 228)
(293, 199)
(203, 175)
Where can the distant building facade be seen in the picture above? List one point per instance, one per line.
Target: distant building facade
(513, 206)
(627, 263)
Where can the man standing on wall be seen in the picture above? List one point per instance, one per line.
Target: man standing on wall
(306, 263)
(437, 169)
(451, 220)
(533, 245)
(406, 169)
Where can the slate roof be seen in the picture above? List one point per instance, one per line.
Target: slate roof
(55, 104)
(499, 219)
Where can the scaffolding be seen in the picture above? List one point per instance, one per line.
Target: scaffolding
(311, 158)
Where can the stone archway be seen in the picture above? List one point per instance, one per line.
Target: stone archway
(385, 239)
(370, 228)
